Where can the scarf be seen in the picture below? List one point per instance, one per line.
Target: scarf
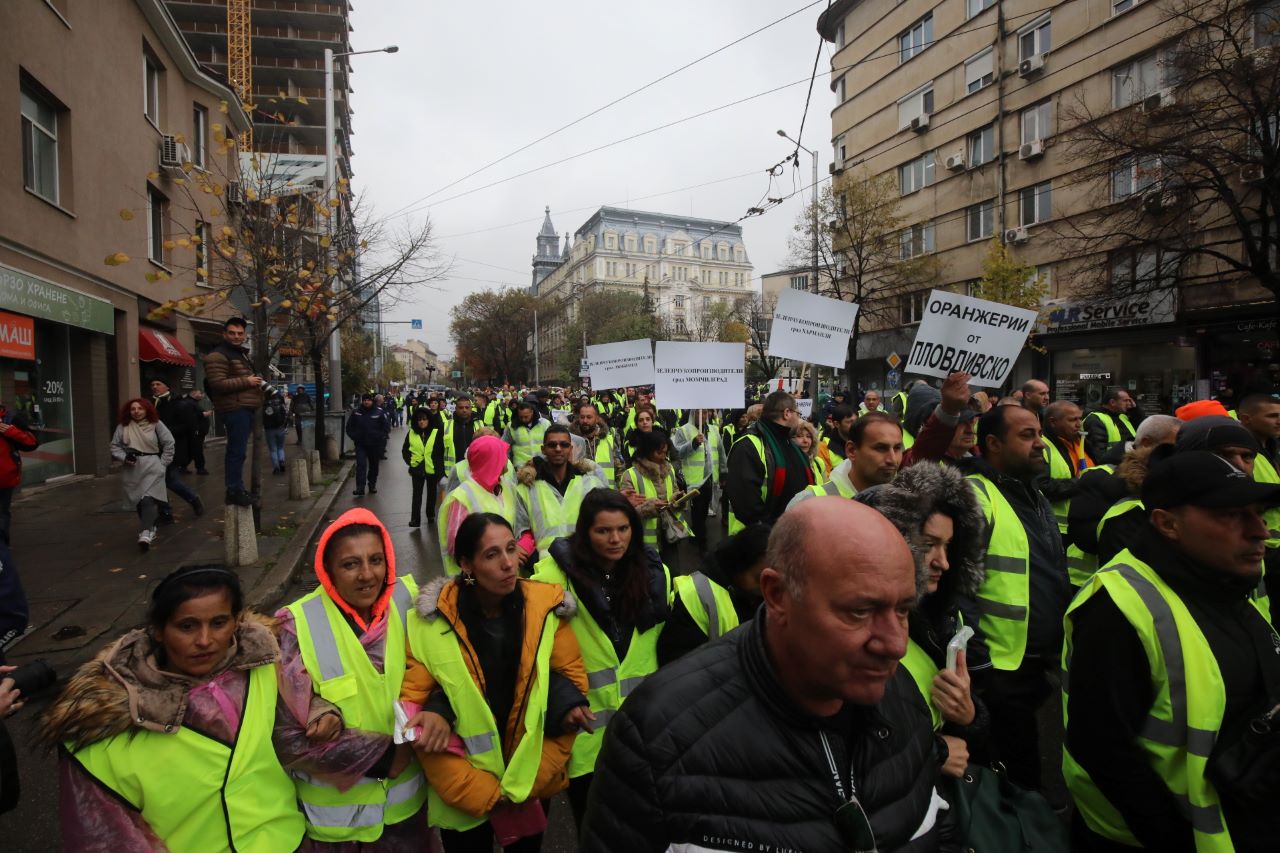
(141, 436)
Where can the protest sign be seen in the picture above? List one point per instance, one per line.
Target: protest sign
(973, 335)
(621, 364)
(806, 408)
(699, 375)
(809, 327)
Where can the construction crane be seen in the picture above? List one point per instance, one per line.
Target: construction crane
(240, 59)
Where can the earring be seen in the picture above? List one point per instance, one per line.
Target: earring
(469, 580)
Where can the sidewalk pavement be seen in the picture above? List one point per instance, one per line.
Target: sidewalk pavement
(87, 582)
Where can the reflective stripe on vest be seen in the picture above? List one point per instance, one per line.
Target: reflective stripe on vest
(365, 698)
(1059, 469)
(708, 603)
(833, 487)
(609, 681)
(196, 793)
(604, 459)
(552, 515)
(437, 644)
(475, 498)
(422, 452)
(526, 441)
(1114, 437)
(1005, 593)
(1187, 711)
(647, 489)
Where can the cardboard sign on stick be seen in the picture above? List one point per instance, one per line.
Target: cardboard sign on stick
(621, 364)
(964, 333)
(699, 375)
(809, 327)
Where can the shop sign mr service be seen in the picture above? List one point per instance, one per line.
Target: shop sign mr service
(1144, 309)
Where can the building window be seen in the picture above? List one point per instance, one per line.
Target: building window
(706, 251)
(39, 144)
(917, 174)
(199, 132)
(650, 245)
(918, 103)
(1142, 269)
(201, 241)
(1034, 38)
(679, 303)
(737, 255)
(839, 150)
(915, 39)
(1134, 80)
(911, 308)
(799, 282)
(1118, 6)
(1034, 204)
(840, 91)
(611, 241)
(1035, 122)
(1266, 24)
(1133, 175)
(982, 146)
(916, 240)
(973, 7)
(722, 251)
(151, 89)
(630, 242)
(979, 71)
(157, 216)
(978, 221)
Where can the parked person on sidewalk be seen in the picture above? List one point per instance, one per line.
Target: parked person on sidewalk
(493, 659)
(624, 593)
(368, 428)
(482, 487)
(424, 452)
(15, 437)
(275, 423)
(303, 407)
(145, 446)
(236, 391)
(205, 421)
(342, 661)
(180, 416)
(166, 735)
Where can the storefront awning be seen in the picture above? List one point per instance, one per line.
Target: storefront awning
(155, 345)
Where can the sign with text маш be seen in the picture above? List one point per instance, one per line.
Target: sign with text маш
(969, 334)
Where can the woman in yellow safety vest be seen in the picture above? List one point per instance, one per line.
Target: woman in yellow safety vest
(651, 484)
(936, 512)
(482, 488)
(818, 453)
(497, 688)
(645, 417)
(342, 660)
(165, 736)
(424, 451)
(624, 598)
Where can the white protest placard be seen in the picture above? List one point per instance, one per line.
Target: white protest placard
(699, 375)
(806, 408)
(809, 327)
(973, 335)
(621, 364)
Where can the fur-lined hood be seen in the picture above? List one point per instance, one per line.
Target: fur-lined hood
(1132, 469)
(917, 493)
(438, 593)
(528, 473)
(123, 687)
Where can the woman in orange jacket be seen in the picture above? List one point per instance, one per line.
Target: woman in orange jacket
(502, 688)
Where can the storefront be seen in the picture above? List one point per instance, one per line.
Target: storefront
(38, 320)
(1241, 356)
(161, 356)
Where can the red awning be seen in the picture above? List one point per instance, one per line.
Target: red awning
(155, 345)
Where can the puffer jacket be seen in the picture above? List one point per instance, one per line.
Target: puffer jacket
(458, 783)
(227, 370)
(710, 752)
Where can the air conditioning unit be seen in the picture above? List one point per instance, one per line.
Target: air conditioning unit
(1251, 173)
(172, 155)
(1161, 201)
(920, 124)
(1157, 101)
(834, 170)
(1031, 150)
(1031, 66)
(955, 162)
(235, 193)
(1017, 235)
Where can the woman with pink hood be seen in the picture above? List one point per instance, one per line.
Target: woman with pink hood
(342, 661)
(480, 489)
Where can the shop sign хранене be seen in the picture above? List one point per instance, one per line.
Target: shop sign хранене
(1143, 309)
(27, 294)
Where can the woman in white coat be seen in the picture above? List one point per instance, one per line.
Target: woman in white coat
(145, 446)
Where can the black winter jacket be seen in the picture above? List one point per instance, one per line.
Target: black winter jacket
(368, 427)
(711, 752)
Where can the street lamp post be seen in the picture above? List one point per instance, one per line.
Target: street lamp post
(331, 193)
(813, 374)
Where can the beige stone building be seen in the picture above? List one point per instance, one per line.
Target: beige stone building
(966, 105)
(103, 100)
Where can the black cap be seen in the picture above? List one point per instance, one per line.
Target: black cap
(366, 396)
(1200, 478)
(1213, 432)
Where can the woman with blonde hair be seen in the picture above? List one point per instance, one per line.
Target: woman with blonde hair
(819, 455)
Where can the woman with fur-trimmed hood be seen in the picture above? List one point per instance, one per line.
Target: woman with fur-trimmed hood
(165, 737)
(498, 675)
(936, 512)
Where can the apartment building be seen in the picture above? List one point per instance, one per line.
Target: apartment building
(98, 95)
(967, 105)
(684, 264)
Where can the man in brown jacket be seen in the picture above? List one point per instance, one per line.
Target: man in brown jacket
(236, 391)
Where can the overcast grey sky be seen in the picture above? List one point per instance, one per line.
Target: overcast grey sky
(476, 81)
